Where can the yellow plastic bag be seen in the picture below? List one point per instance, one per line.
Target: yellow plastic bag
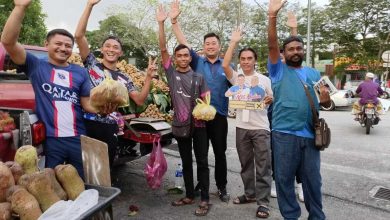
(203, 110)
(109, 91)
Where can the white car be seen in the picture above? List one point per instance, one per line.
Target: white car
(342, 98)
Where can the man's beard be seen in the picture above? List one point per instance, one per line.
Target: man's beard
(294, 63)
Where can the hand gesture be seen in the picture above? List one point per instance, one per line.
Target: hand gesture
(151, 71)
(24, 3)
(175, 10)
(268, 100)
(93, 2)
(236, 35)
(292, 20)
(161, 15)
(275, 6)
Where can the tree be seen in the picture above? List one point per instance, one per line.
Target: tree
(34, 30)
(361, 28)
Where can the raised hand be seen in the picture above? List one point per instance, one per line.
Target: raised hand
(93, 2)
(24, 3)
(275, 6)
(292, 20)
(236, 35)
(151, 71)
(161, 15)
(175, 10)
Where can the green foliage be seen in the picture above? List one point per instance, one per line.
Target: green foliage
(34, 30)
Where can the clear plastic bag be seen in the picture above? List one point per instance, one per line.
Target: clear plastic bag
(109, 91)
(203, 110)
(156, 166)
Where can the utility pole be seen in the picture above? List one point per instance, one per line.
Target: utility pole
(308, 50)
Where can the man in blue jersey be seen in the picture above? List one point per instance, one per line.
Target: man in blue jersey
(210, 67)
(61, 89)
(292, 123)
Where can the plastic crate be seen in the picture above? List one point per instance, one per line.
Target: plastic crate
(106, 195)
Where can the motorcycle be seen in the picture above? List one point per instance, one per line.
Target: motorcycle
(369, 116)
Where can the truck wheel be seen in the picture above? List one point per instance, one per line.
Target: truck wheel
(145, 149)
(368, 125)
(330, 108)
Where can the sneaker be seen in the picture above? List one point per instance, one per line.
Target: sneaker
(299, 191)
(223, 195)
(273, 190)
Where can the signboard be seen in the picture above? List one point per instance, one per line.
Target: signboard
(386, 56)
(237, 104)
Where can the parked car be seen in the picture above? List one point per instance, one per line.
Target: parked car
(342, 98)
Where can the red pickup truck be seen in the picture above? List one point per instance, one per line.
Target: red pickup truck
(17, 99)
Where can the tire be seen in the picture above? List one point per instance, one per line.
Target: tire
(330, 108)
(385, 95)
(145, 149)
(368, 125)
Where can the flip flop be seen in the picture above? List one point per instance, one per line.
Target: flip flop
(202, 209)
(183, 201)
(262, 212)
(243, 200)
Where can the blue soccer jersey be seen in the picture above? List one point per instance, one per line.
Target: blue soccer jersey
(57, 95)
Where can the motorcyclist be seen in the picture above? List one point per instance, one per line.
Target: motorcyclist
(368, 91)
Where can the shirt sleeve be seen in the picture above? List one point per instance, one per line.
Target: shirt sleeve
(234, 77)
(86, 85)
(168, 67)
(195, 57)
(32, 62)
(275, 70)
(90, 61)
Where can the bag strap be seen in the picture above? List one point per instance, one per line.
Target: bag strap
(313, 109)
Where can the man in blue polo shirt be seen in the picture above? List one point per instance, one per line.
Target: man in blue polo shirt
(211, 67)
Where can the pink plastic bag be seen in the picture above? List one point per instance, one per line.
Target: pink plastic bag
(156, 166)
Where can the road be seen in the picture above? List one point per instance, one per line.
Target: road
(353, 165)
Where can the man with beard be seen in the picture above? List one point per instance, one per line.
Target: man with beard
(185, 86)
(292, 124)
(105, 127)
(210, 67)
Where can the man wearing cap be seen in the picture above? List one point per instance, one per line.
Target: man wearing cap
(292, 125)
(367, 91)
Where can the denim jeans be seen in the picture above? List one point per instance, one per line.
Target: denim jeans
(297, 155)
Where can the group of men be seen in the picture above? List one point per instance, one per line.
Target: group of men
(189, 74)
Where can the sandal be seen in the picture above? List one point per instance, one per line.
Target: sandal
(202, 209)
(243, 200)
(262, 212)
(183, 201)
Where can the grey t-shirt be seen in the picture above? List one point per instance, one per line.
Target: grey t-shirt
(180, 90)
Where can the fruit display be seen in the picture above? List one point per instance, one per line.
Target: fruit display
(34, 193)
(152, 111)
(6, 122)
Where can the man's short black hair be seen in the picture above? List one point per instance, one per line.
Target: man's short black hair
(211, 35)
(181, 46)
(111, 37)
(248, 49)
(60, 32)
(291, 39)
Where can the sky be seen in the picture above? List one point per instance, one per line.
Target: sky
(65, 14)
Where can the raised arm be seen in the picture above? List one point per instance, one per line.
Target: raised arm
(11, 31)
(161, 16)
(80, 37)
(139, 97)
(234, 40)
(274, 7)
(174, 14)
(292, 23)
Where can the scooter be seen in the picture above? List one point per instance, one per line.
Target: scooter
(369, 116)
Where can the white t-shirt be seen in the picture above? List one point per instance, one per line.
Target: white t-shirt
(258, 119)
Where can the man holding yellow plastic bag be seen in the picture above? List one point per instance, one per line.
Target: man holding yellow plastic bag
(185, 86)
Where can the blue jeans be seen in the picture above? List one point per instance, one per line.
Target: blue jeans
(297, 155)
